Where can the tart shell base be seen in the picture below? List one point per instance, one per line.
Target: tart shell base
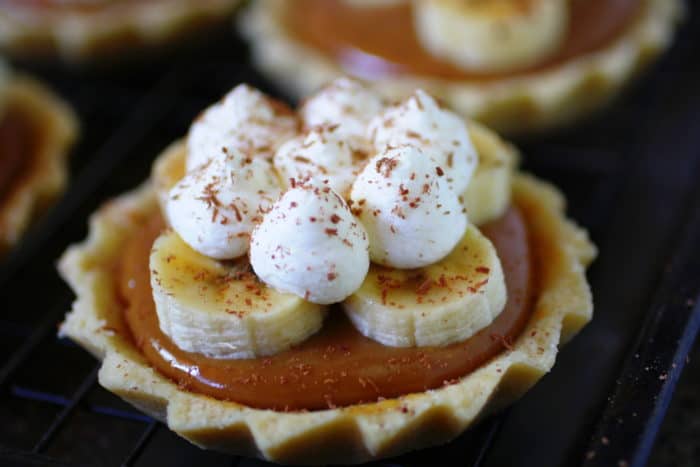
(352, 434)
(59, 129)
(75, 35)
(539, 101)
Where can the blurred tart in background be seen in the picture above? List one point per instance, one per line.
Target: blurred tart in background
(80, 29)
(37, 130)
(345, 282)
(514, 65)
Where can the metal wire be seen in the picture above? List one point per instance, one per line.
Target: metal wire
(63, 415)
(141, 444)
(23, 352)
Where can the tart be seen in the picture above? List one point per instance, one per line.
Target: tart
(515, 66)
(37, 130)
(78, 29)
(256, 294)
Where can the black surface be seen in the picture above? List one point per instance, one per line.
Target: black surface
(629, 175)
(677, 444)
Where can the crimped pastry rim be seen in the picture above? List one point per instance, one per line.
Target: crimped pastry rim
(535, 102)
(352, 434)
(49, 172)
(76, 36)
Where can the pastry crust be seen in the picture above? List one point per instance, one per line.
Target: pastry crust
(537, 101)
(47, 175)
(352, 434)
(76, 35)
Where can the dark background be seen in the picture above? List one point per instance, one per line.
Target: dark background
(631, 177)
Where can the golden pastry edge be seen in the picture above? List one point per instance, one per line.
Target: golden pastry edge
(50, 173)
(75, 38)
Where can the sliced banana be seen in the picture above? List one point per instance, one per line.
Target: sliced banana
(491, 35)
(437, 305)
(488, 195)
(222, 310)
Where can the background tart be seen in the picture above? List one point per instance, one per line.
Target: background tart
(75, 30)
(550, 94)
(355, 433)
(36, 132)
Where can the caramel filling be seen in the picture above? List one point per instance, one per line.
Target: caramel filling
(382, 42)
(337, 366)
(18, 142)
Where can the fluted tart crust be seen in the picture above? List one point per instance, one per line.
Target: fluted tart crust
(50, 128)
(78, 31)
(356, 433)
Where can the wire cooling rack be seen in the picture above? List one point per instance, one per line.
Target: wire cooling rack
(629, 175)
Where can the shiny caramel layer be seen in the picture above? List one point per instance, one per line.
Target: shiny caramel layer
(382, 42)
(18, 142)
(337, 366)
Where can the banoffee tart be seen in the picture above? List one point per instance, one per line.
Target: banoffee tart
(515, 65)
(36, 132)
(343, 283)
(79, 29)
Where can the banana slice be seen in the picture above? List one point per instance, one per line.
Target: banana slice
(491, 35)
(437, 305)
(220, 309)
(488, 195)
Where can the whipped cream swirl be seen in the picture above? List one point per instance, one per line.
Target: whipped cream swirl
(420, 121)
(311, 245)
(323, 154)
(245, 120)
(215, 207)
(411, 214)
(346, 103)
